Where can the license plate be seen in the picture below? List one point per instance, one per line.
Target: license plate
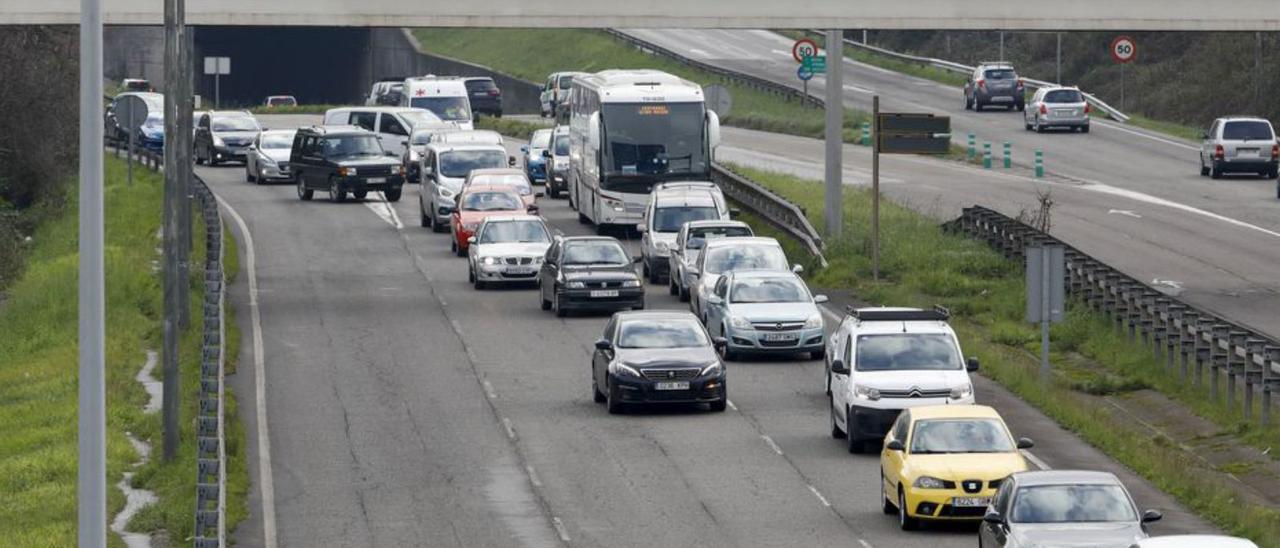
(1001, 99)
(376, 180)
(1246, 153)
(605, 293)
(674, 385)
(1064, 113)
(519, 270)
(970, 502)
(773, 337)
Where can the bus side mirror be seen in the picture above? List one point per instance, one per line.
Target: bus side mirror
(713, 129)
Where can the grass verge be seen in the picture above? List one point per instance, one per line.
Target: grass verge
(296, 109)
(38, 375)
(922, 265)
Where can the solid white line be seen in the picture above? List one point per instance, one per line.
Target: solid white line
(821, 498)
(559, 525)
(864, 543)
(771, 443)
(731, 405)
(1145, 135)
(259, 385)
(533, 476)
(511, 431)
(1035, 460)
(488, 390)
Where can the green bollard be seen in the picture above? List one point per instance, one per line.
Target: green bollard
(973, 151)
(1039, 163)
(866, 134)
(1008, 161)
(986, 155)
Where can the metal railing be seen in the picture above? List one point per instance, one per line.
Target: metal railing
(760, 84)
(770, 207)
(1193, 342)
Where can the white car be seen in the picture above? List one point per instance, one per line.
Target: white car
(1194, 541)
(670, 207)
(555, 90)
(507, 249)
(689, 241)
(721, 256)
(268, 156)
(443, 168)
(883, 360)
(392, 124)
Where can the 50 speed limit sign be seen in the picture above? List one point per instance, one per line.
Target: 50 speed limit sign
(1123, 49)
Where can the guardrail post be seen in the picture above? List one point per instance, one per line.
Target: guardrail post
(1159, 329)
(1269, 381)
(1039, 163)
(1253, 373)
(1204, 352)
(986, 155)
(1236, 340)
(1219, 334)
(1008, 160)
(1173, 333)
(973, 147)
(866, 134)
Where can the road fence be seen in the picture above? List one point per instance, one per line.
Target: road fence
(770, 207)
(1193, 343)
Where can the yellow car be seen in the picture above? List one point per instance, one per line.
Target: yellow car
(944, 462)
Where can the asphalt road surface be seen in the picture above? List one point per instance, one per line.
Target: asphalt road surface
(407, 409)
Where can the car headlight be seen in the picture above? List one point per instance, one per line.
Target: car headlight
(622, 370)
(217, 141)
(489, 261)
(413, 156)
(814, 321)
(537, 260)
(575, 285)
(962, 392)
(661, 246)
(865, 392)
(444, 192)
(400, 170)
(739, 322)
(347, 172)
(929, 482)
(713, 368)
(631, 283)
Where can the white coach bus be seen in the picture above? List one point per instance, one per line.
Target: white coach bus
(629, 130)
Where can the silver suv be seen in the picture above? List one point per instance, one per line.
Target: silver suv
(994, 84)
(1239, 144)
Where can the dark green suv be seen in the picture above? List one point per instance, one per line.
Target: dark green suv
(342, 159)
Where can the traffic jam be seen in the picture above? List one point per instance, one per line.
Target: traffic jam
(631, 153)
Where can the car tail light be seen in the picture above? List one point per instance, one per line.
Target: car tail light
(982, 83)
(1087, 108)
(1219, 153)
(495, 92)
(1275, 151)
(1044, 109)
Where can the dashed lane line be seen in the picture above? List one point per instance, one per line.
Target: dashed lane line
(818, 494)
(772, 445)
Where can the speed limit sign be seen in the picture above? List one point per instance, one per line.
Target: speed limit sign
(803, 48)
(1123, 49)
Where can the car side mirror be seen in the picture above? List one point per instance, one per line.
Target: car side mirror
(640, 228)
(971, 364)
(546, 153)
(796, 268)
(524, 148)
(1151, 515)
(471, 239)
(894, 445)
(511, 161)
(993, 517)
(532, 209)
(720, 342)
(1205, 136)
(251, 147)
(819, 299)
(838, 366)
(714, 300)
(428, 170)
(604, 344)
(1025, 443)
(734, 212)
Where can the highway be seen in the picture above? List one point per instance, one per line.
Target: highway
(1128, 196)
(407, 409)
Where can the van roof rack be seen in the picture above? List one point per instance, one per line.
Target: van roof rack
(937, 314)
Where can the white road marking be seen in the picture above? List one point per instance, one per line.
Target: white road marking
(560, 529)
(697, 51)
(864, 543)
(1036, 460)
(488, 390)
(1145, 135)
(731, 405)
(1167, 283)
(265, 477)
(1125, 212)
(511, 430)
(533, 476)
(384, 210)
(821, 498)
(859, 89)
(771, 443)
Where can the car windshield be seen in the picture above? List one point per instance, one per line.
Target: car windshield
(665, 333)
(566, 82)
(597, 252)
(459, 163)
(907, 351)
(540, 139)
(276, 141)
(480, 84)
(234, 123)
(1063, 96)
(282, 101)
(747, 257)
(420, 138)
(562, 145)
(491, 201)
(960, 436)
(1071, 504)
(514, 231)
(447, 108)
(514, 180)
(768, 290)
(1247, 131)
(1000, 74)
(417, 118)
(670, 219)
(352, 145)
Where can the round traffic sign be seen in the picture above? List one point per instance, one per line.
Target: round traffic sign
(804, 47)
(805, 73)
(1123, 49)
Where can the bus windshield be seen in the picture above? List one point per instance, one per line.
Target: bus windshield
(645, 143)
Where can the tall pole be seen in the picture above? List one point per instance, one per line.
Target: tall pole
(182, 163)
(875, 190)
(1002, 46)
(91, 488)
(835, 134)
(1257, 72)
(1046, 302)
(172, 235)
(1059, 60)
(217, 89)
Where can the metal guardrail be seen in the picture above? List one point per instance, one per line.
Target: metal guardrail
(775, 210)
(1191, 340)
(760, 84)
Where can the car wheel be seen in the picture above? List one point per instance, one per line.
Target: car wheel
(360, 195)
(304, 193)
(393, 195)
(479, 284)
(1025, 124)
(827, 367)
(1084, 129)
(611, 401)
(1019, 107)
(817, 355)
(905, 521)
(596, 395)
(543, 301)
(558, 307)
(720, 405)
(1203, 170)
(1272, 172)
(855, 442)
(684, 294)
(836, 432)
(458, 249)
(336, 195)
(654, 276)
(673, 288)
(435, 225)
(977, 105)
(726, 354)
(888, 506)
(583, 219)
(1215, 171)
(248, 175)
(471, 275)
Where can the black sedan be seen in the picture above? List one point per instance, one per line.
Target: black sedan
(657, 357)
(589, 273)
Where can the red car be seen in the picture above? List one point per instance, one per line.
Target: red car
(477, 202)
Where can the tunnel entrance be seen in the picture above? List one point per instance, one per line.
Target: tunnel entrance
(318, 65)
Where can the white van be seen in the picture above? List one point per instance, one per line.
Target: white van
(445, 96)
(392, 124)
